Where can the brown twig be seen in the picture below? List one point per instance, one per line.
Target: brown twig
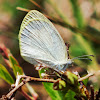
(64, 24)
(85, 77)
(4, 51)
(22, 9)
(92, 93)
(98, 95)
(36, 4)
(33, 94)
(82, 86)
(26, 95)
(26, 79)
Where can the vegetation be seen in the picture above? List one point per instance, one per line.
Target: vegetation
(84, 40)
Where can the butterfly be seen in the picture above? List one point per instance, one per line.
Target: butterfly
(40, 42)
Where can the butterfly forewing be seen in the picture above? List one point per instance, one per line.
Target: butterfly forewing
(39, 40)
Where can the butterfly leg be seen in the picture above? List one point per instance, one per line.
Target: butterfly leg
(39, 66)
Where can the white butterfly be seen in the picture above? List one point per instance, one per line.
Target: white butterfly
(40, 42)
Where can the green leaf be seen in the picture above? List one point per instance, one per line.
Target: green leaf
(77, 13)
(60, 94)
(4, 74)
(54, 94)
(15, 66)
(85, 81)
(62, 83)
(72, 77)
(91, 30)
(84, 43)
(59, 85)
(70, 95)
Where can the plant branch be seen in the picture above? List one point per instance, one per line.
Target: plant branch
(26, 79)
(97, 73)
(26, 95)
(85, 77)
(32, 91)
(22, 9)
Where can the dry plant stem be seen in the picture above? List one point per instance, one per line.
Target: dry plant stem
(36, 4)
(27, 79)
(85, 77)
(65, 24)
(26, 95)
(32, 91)
(92, 93)
(18, 79)
(13, 98)
(22, 9)
(98, 95)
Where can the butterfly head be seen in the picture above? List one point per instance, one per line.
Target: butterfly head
(69, 61)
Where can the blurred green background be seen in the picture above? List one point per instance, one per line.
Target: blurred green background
(80, 27)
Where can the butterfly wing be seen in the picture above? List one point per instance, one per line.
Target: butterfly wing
(40, 41)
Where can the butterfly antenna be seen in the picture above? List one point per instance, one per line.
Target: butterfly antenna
(85, 58)
(80, 57)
